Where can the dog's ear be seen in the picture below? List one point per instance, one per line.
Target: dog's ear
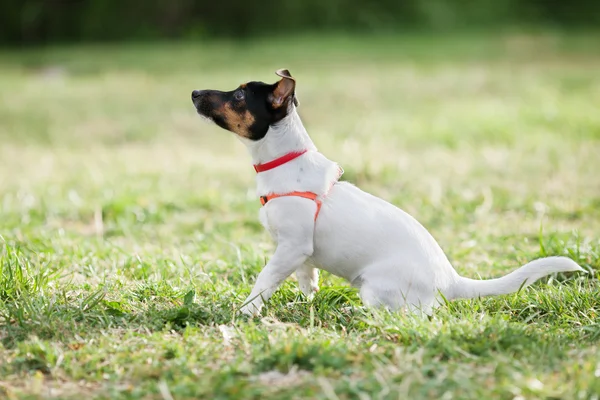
(285, 88)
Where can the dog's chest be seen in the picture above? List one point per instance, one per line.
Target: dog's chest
(264, 221)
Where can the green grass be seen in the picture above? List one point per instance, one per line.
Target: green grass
(129, 231)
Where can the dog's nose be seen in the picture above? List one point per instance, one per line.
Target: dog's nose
(195, 93)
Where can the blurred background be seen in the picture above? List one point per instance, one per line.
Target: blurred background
(48, 21)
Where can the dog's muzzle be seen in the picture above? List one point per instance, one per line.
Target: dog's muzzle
(197, 96)
(202, 102)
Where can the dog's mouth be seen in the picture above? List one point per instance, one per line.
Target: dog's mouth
(203, 106)
(205, 118)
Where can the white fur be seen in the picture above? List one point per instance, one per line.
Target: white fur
(376, 246)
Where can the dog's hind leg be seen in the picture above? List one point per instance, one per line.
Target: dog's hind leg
(379, 290)
(376, 297)
(394, 300)
(308, 279)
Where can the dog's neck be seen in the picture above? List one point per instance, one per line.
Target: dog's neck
(311, 172)
(286, 136)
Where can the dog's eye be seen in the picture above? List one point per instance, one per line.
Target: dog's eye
(239, 95)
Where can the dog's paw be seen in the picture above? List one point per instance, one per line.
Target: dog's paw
(251, 309)
(309, 290)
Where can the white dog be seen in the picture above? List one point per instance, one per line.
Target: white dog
(319, 222)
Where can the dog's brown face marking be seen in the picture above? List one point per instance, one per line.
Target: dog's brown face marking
(249, 110)
(239, 122)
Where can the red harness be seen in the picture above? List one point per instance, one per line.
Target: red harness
(280, 161)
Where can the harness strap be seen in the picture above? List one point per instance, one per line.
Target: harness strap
(307, 195)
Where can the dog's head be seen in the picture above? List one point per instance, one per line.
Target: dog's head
(249, 110)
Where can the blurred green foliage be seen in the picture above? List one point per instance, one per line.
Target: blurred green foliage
(42, 21)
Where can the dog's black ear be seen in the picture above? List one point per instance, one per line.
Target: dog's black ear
(285, 88)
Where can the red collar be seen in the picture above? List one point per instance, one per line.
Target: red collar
(278, 161)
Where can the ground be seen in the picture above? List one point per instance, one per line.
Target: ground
(129, 234)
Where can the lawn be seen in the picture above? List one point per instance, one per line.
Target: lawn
(129, 234)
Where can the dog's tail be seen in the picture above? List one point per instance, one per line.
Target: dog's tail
(466, 288)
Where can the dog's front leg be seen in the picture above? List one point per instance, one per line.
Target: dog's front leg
(285, 261)
(293, 222)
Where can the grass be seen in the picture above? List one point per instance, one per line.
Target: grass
(129, 233)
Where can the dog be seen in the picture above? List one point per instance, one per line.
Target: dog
(319, 222)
